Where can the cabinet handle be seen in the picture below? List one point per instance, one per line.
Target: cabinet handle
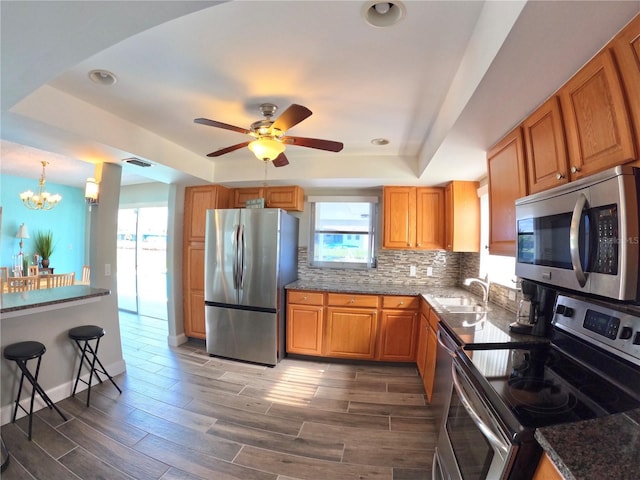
(559, 176)
(574, 169)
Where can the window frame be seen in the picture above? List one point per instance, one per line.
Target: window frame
(372, 232)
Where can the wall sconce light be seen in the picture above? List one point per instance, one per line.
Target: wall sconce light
(91, 191)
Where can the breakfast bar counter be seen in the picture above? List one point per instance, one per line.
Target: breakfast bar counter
(25, 303)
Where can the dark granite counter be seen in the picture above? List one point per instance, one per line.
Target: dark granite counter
(607, 447)
(22, 303)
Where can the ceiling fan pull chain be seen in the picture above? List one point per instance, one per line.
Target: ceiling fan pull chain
(265, 174)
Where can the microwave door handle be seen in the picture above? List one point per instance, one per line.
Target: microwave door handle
(574, 239)
(491, 437)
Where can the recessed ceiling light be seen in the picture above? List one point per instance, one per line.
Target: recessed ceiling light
(102, 77)
(383, 14)
(380, 141)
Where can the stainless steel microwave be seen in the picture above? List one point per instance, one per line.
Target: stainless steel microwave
(584, 236)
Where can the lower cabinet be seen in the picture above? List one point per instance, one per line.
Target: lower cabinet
(305, 322)
(427, 347)
(194, 322)
(546, 470)
(423, 335)
(351, 333)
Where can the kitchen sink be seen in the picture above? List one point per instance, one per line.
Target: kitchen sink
(460, 304)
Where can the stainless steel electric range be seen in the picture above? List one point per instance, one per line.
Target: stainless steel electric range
(590, 369)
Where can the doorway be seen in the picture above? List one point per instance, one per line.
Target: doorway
(142, 261)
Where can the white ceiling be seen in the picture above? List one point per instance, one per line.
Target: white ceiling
(442, 85)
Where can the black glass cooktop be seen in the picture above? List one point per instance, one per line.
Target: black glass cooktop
(543, 386)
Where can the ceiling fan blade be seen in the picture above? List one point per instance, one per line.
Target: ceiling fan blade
(280, 161)
(291, 116)
(226, 126)
(329, 145)
(232, 148)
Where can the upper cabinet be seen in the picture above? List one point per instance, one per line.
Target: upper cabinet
(597, 122)
(507, 182)
(626, 48)
(197, 201)
(546, 151)
(462, 216)
(288, 198)
(413, 218)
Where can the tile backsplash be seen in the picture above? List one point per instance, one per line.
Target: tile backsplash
(449, 270)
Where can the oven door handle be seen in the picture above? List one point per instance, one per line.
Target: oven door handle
(443, 345)
(574, 239)
(489, 434)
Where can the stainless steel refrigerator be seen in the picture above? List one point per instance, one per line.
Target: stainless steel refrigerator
(250, 255)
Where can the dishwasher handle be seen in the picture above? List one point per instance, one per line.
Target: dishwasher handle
(489, 434)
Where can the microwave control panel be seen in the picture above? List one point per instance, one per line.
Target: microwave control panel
(606, 257)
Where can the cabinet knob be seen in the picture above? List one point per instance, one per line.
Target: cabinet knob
(408, 244)
(418, 244)
(559, 176)
(304, 298)
(352, 301)
(401, 303)
(574, 169)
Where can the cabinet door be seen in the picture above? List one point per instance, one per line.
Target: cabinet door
(462, 217)
(196, 202)
(546, 151)
(399, 217)
(351, 333)
(421, 354)
(626, 48)
(398, 336)
(429, 218)
(241, 195)
(430, 363)
(304, 329)
(507, 182)
(597, 122)
(194, 318)
(546, 470)
(287, 198)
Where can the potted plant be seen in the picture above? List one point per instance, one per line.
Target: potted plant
(43, 242)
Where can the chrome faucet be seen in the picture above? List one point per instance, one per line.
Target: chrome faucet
(483, 283)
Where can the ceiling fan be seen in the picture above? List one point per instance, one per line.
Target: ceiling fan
(270, 135)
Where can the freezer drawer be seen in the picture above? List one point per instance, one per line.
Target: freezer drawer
(246, 335)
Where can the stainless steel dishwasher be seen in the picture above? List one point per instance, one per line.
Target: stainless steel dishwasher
(443, 382)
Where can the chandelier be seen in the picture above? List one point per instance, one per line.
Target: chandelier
(42, 200)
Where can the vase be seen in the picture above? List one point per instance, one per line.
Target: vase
(45, 263)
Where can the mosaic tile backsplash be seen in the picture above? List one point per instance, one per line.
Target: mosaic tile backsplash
(449, 270)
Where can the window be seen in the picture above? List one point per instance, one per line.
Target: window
(342, 232)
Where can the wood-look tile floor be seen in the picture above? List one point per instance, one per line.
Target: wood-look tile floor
(185, 415)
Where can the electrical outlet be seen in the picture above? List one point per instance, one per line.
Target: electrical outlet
(107, 269)
(429, 271)
(512, 295)
(412, 271)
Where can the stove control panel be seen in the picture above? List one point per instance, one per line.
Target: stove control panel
(616, 331)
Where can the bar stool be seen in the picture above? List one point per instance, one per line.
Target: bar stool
(21, 353)
(86, 333)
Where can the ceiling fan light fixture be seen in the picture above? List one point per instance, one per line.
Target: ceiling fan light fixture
(266, 149)
(383, 14)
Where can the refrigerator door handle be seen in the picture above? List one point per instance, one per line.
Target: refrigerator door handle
(236, 253)
(241, 249)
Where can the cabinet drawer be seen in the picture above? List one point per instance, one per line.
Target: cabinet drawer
(352, 300)
(399, 301)
(305, 298)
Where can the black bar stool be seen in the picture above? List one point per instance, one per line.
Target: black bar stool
(21, 353)
(86, 333)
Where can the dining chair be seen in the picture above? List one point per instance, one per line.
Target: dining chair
(33, 270)
(60, 279)
(86, 274)
(22, 284)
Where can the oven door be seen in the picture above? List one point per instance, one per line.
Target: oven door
(471, 445)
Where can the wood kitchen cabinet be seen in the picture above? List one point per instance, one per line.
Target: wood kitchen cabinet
(432, 350)
(546, 470)
(289, 198)
(352, 326)
(197, 201)
(545, 147)
(462, 216)
(398, 328)
(413, 218)
(626, 48)
(305, 322)
(423, 335)
(596, 118)
(507, 182)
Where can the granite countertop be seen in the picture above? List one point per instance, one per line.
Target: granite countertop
(607, 447)
(48, 297)
(472, 331)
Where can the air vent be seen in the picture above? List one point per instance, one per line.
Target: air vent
(137, 162)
